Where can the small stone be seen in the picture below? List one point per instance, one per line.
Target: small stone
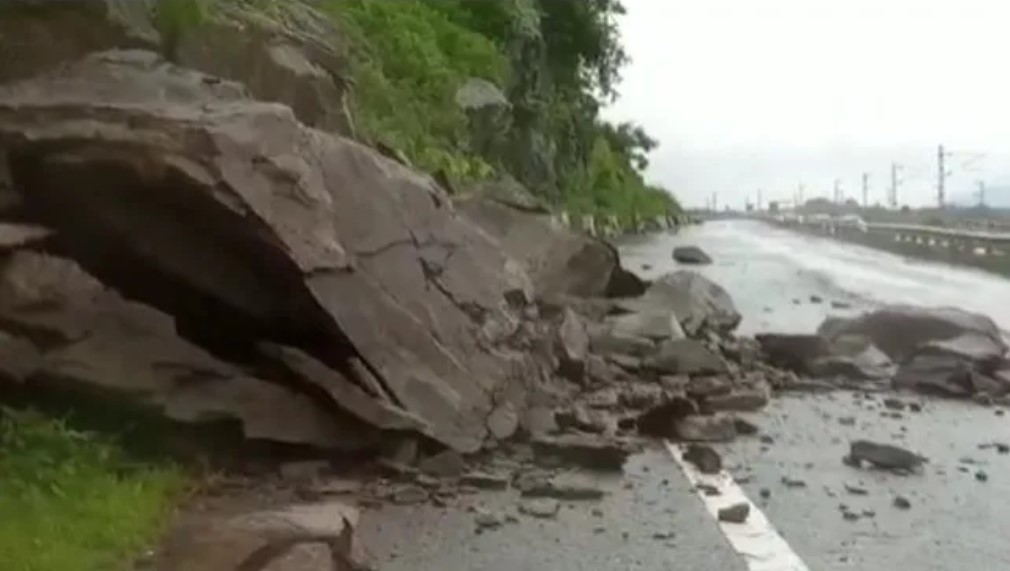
(1000, 412)
(745, 400)
(856, 490)
(715, 428)
(597, 512)
(850, 516)
(445, 464)
(540, 508)
(745, 427)
(981, 476)
(568, 487)
(599, 530)
(793, 482)
(915, 407)
(485, 520)
(984, 399)
(664, 535)
(400, 451)
(709, 490)
(765, 493)
(816, 299)
(902, 503)
(766, 439)
(894, 404)
(847, 420)
(337, 487)
(869, 513)
(736, 513)
(705, 458)
(1003, 448)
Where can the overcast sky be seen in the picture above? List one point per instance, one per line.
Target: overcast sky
(749, 94)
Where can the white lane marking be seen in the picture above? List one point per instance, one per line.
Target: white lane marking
(756, 540)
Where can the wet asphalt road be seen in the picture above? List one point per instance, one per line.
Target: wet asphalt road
(651, 497)
(955, 521)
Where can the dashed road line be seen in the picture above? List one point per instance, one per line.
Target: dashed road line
(762, 548)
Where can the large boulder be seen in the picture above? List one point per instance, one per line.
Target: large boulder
(697, 301)
(558, 261)
(75, 337)
(244, 225)
(306, 537)
(935, 374)
(901, 330)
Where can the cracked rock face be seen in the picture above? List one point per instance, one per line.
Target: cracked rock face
(245, 226)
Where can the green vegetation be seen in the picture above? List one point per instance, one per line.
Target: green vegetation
(74, 501)
(556, 61)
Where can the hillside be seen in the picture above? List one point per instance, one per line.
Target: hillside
(481, 90)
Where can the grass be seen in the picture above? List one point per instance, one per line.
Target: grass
(75, 501)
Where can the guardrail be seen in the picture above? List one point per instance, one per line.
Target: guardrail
(981, 249)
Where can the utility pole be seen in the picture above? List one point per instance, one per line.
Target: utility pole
(799, 195)
(759, 201)
(715, 201)
(866, 190)
(941, 178)
(981, 193)
(893, 195)
(838, 191)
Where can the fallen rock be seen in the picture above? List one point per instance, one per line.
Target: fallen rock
(737, 513)
(902, 503)
(705, 458)
(640, 396)
(660, 326)
(589, 451)
(980, 349)
(408, 494)
(578, 418)
(565, 487)
(935, 374)
(742, 400)
(698, 302)
(856, 490)
(884, 456)
(691, 255)
(282, 214)
(264, 538)
(304, 470)
(661, 420)
(486, 520)
(703, 388)
(625, 283)
(484, 481)
(714, 428)
(606, 341)
(793, 352)
(540, 508)
(793, 482)
(685, 356)
(745, 427)
(573, 346)
(900, 330)
(894, 404)
(558, 261)
(868, 363)
(445, 464)
(503, 421)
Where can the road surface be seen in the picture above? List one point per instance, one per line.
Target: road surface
(955, 520)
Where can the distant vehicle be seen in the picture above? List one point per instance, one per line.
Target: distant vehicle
(852, 221)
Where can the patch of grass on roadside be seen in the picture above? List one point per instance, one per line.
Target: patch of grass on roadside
(75, 501)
